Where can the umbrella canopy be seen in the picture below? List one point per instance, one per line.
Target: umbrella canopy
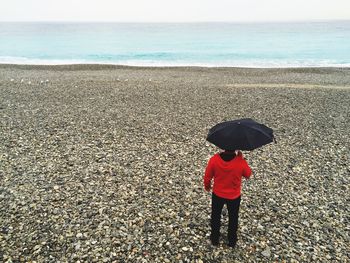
(243, 134)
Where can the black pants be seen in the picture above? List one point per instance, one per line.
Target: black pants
(233, 209)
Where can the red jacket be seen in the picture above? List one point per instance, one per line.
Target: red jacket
(227, 175)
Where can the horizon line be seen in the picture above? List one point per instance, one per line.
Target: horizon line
(177, 22)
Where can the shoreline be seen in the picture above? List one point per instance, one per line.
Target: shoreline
(202, 75)
(117, 66)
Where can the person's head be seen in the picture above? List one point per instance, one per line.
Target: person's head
(229, 151)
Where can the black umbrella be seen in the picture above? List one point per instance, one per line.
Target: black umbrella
(243, 134)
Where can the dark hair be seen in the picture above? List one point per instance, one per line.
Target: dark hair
(230, 151)
(228, 155)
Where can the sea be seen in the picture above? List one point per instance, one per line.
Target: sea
(270, 45)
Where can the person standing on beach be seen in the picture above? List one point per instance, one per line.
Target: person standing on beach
(227, 168)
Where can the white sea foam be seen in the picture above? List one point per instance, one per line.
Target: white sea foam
(155, 63)
(36, 61)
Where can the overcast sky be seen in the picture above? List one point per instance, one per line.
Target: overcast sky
(173, 10)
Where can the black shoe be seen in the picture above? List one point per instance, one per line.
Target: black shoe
(214, 241)
(232, 244)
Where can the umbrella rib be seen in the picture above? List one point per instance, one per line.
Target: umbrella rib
(250, 145)
(256, 130)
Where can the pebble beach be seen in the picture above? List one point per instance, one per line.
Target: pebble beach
(102, 163)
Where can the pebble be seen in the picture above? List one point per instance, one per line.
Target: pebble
(266, 253)
(118, 178)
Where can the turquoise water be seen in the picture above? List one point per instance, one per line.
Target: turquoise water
(196, 44)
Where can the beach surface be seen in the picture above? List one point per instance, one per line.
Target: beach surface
(105, 163)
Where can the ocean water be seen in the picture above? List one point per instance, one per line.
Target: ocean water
(178, 44)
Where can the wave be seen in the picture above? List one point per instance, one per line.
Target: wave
(180, 63)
